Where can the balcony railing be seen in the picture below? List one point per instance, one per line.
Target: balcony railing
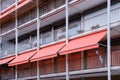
(58, 65)
(7, 26)
(28, 70)
(7, 73)
(28, 16)
(6, 3)
(7, 48)
(28, 43)
(45, 6)
(92, 62)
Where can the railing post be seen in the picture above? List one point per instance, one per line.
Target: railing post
(67, 39)
(108, 39)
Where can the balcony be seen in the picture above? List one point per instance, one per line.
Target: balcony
(77, 62)
(28, 25)
(8, 7)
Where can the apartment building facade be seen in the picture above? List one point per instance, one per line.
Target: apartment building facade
(58, 39)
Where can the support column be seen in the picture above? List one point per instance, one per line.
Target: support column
(0, 46)
(0, 42)
(67, 38)
(16, 30)
(67, 21)
(108, 39)
(67, 68)
(16, 39)
(0, 32)
(0, 6)
(38, 38)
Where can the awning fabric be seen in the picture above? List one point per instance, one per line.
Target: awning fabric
(23, 58)
(83, 43)
(6, 60)
(48, 52)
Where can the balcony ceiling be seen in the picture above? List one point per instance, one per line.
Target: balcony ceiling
(59, 13)
(78, 8)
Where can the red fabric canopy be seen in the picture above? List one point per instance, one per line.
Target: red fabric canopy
(6, 60)
(83, 43)
(23, 58)
(48, 52)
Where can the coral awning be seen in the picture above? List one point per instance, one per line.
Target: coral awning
(48, 52)
(23, 58)
(83, 43)
(6, 60)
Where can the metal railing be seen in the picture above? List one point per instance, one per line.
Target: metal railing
(6, 3)
(75, 64)
(7, 73)
(7, 50)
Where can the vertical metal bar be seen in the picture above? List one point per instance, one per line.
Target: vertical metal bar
(38, 38)
(108, 39)
(67, 68)
(38, 71)
(67, 38)
(0, 6)
(38, 27)
(0, 30)
(16, 38)
(16, 30)
(67, 21)
(0, 46)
